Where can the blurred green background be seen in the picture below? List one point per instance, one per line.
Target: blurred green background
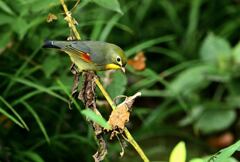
(188, 73)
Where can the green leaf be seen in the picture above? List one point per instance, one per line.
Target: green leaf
(224, 154)
(214, 48)
(96, 118)
(20, 27)
(14, 112)
(192, 115)
(118, 84)
(193, 19)
(5, 39)
(26, 96)
(6, 19)
(143, 8)
(5, 8)
(19, 71)
(236, 53)
(76, 137)
(191, 79)
(179, 153)
(33, 156)
(51, 64)
(34, 85)
(67, 81)
(148, 43)
(212, 120)
(109, 4)
(154, 93)
(206, 159)
(13, 119)
(43, 5)
(38, 120)
(66, 91)
(172, 15)
(108, 27)
(197, 160)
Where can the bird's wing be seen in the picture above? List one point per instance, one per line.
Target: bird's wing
(79, 50)
(88, 51)
(97, 51)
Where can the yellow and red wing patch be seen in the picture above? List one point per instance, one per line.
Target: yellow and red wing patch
(85, 57)
(74, 51)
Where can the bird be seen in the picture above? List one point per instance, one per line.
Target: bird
(91, 55)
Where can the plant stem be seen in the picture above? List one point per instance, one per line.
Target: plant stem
(130, 138)
(132, 141)
(70, 20)
(105, 94)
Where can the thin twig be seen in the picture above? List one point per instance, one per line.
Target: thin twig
(70, 20)
(74, 7)
(130, 138)
(106, 95)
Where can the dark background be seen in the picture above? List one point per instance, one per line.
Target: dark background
(190, 85)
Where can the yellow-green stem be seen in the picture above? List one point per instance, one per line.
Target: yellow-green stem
(70, 20)
(105, 94)
(131, 140)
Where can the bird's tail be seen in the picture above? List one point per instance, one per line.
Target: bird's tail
(54, 44)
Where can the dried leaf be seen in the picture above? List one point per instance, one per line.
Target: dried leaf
(88, 97)
(222, 140)
(87, 93)
(138, 62)
(102, 150)
(123, 145)
(120, 116)
(74, 91)
(51, 17)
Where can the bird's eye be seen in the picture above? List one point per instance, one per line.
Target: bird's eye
(118, 59)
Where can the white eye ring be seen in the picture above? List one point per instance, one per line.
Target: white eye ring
(118, 59)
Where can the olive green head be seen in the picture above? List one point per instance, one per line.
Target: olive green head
(116, 56)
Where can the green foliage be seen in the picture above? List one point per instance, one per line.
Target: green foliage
(178, 153)
(191, 79)
(190, 86)
(2, 111)
(5, 8)
(96, 118)
(38, 120)
(225, 153)
(112, 5)
(14, 112)
(236, 55)
(206, 160)
(210, 120)
(33, 156)
(117, 85)
(50, 65)
(215, 48)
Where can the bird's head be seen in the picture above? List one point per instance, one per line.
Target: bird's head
(117, 57)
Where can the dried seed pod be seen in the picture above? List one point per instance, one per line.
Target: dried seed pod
(120, 116)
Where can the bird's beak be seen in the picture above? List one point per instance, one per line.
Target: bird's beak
(123, 69)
